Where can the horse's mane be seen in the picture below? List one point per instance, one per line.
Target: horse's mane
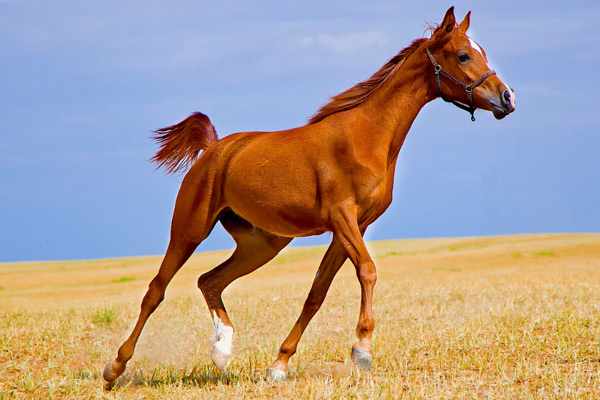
(357, 94)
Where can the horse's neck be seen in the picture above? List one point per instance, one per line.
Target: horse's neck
(393, 107)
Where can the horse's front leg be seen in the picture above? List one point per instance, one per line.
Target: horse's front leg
(348, 233)
(330, 265)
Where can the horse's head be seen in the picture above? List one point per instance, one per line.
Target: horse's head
(462, 74)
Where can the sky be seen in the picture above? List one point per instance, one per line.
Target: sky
(84, 84)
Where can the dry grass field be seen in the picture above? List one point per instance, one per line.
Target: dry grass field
(510, 317)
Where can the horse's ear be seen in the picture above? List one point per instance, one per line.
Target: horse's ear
(449, 21)
(464, 25)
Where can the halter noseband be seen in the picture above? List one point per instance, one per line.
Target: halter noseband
(468, 88)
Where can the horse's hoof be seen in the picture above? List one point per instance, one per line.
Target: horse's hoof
(275, 375)
(362, 359)
(219, 358)
(110, 371)
(110, 374)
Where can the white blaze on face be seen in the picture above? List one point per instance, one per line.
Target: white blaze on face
(223, 337)
(475, 46)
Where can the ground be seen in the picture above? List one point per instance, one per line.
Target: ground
(486, 318)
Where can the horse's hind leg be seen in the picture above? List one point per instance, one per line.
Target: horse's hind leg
(255, 247)
(195, 215)
(177, 253)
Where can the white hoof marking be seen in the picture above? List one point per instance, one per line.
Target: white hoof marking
(276, 375)
(223, 339)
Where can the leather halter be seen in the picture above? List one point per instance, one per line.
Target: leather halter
(468, 88)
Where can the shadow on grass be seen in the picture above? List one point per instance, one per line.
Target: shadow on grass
(199, 376)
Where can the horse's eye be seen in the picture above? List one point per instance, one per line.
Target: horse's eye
(462, 57)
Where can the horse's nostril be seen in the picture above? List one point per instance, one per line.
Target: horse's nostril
(507, 99)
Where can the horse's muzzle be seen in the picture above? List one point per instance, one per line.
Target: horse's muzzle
(505, 106)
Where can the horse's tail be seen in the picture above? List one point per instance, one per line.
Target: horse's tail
(181, 144)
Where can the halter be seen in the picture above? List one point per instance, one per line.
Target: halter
(468, 88)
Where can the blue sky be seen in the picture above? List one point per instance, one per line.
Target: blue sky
(83, 84)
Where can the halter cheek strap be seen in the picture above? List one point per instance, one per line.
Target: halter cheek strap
(470, 108)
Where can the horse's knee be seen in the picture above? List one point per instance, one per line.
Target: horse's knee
(367, 274)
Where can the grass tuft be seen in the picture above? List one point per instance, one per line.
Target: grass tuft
(391, 253)
(123, 279)
(544, 253)
(104, 316)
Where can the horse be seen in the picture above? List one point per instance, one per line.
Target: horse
(334, 174)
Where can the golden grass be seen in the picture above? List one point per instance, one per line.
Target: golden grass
(506, 317)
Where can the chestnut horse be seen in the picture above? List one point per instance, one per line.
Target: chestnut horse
(334, 174)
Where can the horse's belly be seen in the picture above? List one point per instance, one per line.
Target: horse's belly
(284, 204)
(284, 218)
